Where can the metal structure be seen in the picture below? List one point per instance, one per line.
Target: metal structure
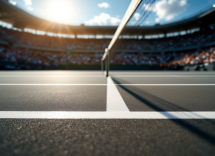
(21, 19)
(131, 9)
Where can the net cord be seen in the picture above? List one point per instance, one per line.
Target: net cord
(131, 9)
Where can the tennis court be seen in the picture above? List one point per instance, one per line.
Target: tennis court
(126, 113)
(108, 112)
(121, 91)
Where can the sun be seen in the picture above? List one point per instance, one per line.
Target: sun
(59, 11)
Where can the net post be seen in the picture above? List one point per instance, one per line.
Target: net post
(131, 9)
(101, 65)
(107, 62)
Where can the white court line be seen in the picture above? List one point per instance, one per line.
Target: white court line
(114, 100)
(46, 84)
(165, 84)
(52, 76)
(109, 84)
(104, 115)
(38, 75)
(158, 76)
(133, 76)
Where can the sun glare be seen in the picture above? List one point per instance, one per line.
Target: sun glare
(59, 11)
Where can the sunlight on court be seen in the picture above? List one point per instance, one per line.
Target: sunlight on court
(112, 77)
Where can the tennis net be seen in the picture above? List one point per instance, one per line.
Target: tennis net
(136, 9)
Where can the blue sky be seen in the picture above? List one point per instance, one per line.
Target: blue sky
(110, 12)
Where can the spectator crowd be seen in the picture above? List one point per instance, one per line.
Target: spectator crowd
(100, 44)
(27, 56)
(189, 58)
(24, 56)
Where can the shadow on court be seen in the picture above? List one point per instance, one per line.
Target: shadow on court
(144, 98)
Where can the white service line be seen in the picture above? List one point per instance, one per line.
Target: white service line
(104, 115)
(110, 83)
(51, 84)
(169, 76)
(60, 76)
(115, 102)
(165, 84)
(134, 76)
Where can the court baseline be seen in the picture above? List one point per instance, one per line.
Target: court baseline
(113, 112)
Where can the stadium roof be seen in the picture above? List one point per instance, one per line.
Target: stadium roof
(21, 19)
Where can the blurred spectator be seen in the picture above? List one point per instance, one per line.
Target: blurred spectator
(23, 57)
(47, 59)
(100, 44)
(204, 56)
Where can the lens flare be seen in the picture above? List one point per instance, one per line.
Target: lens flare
(59, 11)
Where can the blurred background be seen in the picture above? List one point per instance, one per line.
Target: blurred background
(72, 35)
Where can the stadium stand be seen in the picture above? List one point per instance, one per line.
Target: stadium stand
(100, 44)
(20, 49)
(24, 58)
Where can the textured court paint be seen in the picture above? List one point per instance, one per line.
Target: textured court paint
(53, 98)
(114, 99)
(104, 115)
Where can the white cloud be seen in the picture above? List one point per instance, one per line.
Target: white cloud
(104, 5)
(167, 9)
(137, 16)
(132, 23)
(103, 19)
(28, 2)
(147, 22)
(12, 2)
(148, 7)
(157, 20)
(30, 8)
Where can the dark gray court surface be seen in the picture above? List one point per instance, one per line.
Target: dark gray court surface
(87, 92)
(53, 98)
